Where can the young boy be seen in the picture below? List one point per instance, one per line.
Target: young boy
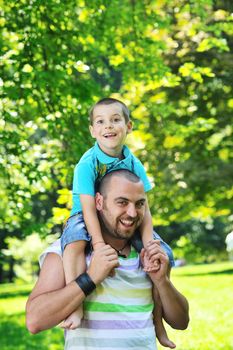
(110, 124)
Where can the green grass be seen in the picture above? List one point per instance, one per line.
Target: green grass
(207, 287)
(13, 333)
(209, 290)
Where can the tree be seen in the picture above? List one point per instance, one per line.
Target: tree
(169, 61)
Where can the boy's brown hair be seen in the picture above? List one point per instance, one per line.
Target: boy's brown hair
(109, 101)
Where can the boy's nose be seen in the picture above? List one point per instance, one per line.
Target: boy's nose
(108, 125)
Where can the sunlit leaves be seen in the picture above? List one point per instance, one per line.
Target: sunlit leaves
(210, 43)
(169, 61)
(173, 141)
(26, 253)
(196, 73)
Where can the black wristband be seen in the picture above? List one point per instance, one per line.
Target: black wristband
(85, 282)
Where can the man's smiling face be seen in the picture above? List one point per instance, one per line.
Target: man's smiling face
(122, 209)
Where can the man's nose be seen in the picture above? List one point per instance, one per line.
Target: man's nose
(131, 211)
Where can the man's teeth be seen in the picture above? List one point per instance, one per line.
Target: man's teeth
(127, 222)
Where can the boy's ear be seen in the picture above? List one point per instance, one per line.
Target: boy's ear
(99, 201)
(129, 127)
(92, 131)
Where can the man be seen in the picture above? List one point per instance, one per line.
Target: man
(118, 313)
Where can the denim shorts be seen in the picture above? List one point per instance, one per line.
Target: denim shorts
(74, 230)
(137, 243)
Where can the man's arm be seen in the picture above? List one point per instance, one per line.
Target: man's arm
(174, 304)
(51, 301)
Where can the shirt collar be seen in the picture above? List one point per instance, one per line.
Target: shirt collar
(106, 159)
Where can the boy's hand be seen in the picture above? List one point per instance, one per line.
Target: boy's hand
(154, 252)
(97, 245)
(149, 263)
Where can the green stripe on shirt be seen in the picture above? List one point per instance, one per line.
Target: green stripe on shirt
(133, 254)
(108, 307)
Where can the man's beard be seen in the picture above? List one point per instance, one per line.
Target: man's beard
(109, 229)
(112, 230)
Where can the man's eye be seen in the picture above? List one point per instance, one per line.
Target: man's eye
(122, 203)
(140, 205)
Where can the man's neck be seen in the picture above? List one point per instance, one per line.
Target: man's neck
(122, 246)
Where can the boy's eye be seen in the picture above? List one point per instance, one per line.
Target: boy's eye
(99, 121)
(116, 120)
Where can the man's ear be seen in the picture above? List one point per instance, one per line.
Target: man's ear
(99, 201)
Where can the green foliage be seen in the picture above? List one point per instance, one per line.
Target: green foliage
(25, 253)
(170, 61)
(197, 242)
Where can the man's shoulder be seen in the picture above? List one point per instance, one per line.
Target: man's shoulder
(55, 248)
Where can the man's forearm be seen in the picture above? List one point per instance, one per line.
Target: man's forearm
(174, 304)
(51, 301)
(49, 309)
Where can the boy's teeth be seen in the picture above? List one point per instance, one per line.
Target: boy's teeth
(106, 135)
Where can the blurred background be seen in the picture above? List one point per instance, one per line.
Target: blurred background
(171, 63)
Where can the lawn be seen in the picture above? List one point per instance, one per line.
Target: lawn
(209, 290)
(13, 333)
(207, 287)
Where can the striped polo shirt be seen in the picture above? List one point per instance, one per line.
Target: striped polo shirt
(118, 314)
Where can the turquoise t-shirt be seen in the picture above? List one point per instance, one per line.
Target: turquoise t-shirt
(94, 164)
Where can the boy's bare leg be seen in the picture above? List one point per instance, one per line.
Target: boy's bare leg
(161, 333)
(74, 263)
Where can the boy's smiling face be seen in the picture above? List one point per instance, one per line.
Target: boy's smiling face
(109, 128)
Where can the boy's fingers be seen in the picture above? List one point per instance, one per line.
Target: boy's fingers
(142, 254)
(151, 243)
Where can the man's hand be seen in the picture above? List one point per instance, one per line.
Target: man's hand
(103, 261)
(155, 252)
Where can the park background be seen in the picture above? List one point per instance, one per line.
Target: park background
(171, 63)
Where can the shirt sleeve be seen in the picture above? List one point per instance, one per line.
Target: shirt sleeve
(55, 248)
(140, 171)
(84, 179)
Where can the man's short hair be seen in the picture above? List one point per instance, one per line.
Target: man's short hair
(125, 173)
(109, 101)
